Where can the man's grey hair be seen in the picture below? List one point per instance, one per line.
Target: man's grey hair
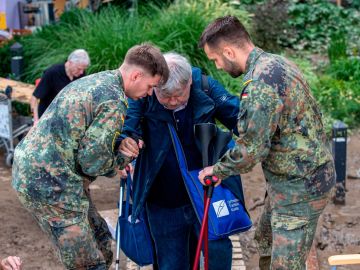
(179, 73)
(79, 56)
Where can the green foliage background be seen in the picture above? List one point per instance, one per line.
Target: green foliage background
(301, 28)
(314, 22)
(108, 34)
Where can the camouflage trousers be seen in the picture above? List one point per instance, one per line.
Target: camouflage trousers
(83, 240)
(287, 227)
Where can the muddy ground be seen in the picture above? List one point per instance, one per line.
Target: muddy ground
(338, 231)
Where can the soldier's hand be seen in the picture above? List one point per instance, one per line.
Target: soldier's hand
(35, 122)
(130, 148)
(11, 263)
(208, 171)
(123, 172)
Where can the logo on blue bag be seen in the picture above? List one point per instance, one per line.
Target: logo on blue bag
(220, 208)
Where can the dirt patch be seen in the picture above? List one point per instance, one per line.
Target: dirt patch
(338, 231)
(339, 227)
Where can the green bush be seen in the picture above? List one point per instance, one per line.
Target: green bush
(270, 24)
(250, 2)
(337, 91)
(351, 3)
(74, 16)
(109, 33)
(312, 23)
(341, 99)
(345, 69)
(21, 108)
(5, 58)
(337, 48)
(179, 27)
(105, 35)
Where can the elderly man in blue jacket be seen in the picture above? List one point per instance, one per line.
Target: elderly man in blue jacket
(186, 99)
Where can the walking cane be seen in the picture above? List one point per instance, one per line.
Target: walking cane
(205, 133)
(121, 196)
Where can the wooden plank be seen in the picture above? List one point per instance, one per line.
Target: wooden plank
(22, 92)
(344, 259)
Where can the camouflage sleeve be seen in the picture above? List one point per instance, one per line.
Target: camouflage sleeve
(97, 155)
(259, 114)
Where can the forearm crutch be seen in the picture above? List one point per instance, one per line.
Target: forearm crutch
(205, 134)
(121, 196)
(203, 237)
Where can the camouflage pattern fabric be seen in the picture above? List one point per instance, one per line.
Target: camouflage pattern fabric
(85, 244)
(280, 126)
(288, 223)
(72, 143)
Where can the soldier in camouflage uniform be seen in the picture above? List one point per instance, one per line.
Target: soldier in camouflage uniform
(280, 126)
(72, 144)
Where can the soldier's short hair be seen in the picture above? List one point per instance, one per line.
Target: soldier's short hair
(79, 56)
(179, 73)
(149, 58)
(228, 29)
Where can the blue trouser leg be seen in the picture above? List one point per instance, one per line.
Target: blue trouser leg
(171, 230)
(220, 253)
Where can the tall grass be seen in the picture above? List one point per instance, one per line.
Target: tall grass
(180, 26)
(107, 35)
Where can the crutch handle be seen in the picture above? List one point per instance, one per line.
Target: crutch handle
(210, 180)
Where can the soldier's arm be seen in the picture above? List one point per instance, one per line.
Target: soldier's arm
(34, 105)
(97, 155)
(260, 110)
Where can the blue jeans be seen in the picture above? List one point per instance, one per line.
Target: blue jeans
(171, 230)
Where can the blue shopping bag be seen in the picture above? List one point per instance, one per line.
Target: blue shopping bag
(227, 213)
(135, 239)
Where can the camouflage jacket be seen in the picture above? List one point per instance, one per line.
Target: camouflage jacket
(73, 141)
(279, 124)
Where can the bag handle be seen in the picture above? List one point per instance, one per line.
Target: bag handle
(177, 146)
(128, 194)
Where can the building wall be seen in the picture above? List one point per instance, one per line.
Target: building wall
(12, 13)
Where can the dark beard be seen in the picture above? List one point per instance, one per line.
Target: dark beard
(235, 74)
(232, 68)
